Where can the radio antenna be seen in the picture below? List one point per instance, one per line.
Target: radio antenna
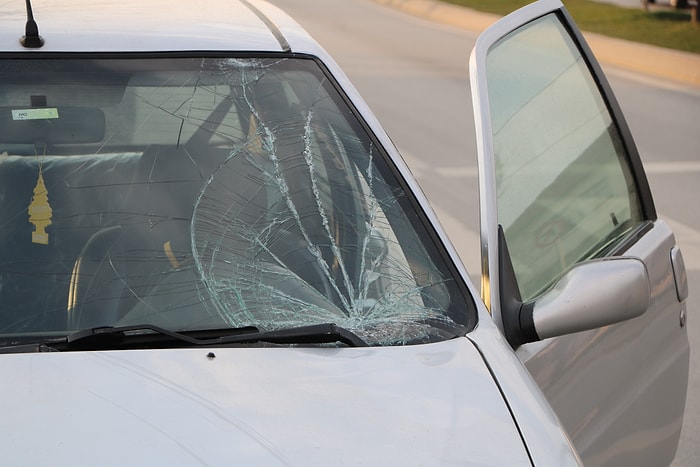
(31, 38)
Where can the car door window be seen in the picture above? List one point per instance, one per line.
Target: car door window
(564, 186)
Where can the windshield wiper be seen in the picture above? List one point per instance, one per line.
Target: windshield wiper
(326, 333)
(26, 348)
(150, 336)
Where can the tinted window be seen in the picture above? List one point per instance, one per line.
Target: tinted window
(565, 190)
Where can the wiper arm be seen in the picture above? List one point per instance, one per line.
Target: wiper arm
(27, 348)
(313, 334)
(148, 335)
(124, 337)
(116, 336)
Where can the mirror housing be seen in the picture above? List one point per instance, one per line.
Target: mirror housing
(592, 295)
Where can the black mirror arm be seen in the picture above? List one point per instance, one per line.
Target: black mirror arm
(517, 316)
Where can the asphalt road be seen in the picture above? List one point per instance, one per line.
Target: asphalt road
(414, 75)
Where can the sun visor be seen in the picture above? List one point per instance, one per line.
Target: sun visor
(51, 125)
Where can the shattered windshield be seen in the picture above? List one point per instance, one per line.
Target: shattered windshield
(206, 193)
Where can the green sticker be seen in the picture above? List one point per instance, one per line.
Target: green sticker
(34, 114)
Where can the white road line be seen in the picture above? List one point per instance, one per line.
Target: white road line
(656, 168)
(466, 241)
(419, 168)
(457, 172)
(652, 81)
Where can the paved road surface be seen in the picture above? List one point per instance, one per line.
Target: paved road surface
(414, 75)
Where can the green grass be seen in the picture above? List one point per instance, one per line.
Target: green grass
(665, 28)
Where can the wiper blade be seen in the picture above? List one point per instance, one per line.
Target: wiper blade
(144, 335)
(27, 348)
(313, 334)
(148, 335)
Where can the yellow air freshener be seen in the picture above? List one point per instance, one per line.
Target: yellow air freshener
(40, 212)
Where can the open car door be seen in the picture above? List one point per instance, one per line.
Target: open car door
(586, 283)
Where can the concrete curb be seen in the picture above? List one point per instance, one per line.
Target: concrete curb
(657, 62)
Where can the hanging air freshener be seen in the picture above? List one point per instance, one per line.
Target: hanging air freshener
(40, 211)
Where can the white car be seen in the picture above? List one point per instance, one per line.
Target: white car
(212, 254)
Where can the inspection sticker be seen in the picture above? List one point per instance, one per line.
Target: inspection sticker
(35, 114)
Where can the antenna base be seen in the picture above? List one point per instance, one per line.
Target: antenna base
(31, 42)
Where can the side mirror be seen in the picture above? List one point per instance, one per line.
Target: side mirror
(590, 295)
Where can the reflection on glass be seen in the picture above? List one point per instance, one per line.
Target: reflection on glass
(564, 188)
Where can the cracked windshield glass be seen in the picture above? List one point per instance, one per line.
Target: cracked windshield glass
(207, 193)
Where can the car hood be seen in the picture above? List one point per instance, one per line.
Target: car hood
(430, 404)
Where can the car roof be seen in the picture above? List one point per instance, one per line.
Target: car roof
(153, 25)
